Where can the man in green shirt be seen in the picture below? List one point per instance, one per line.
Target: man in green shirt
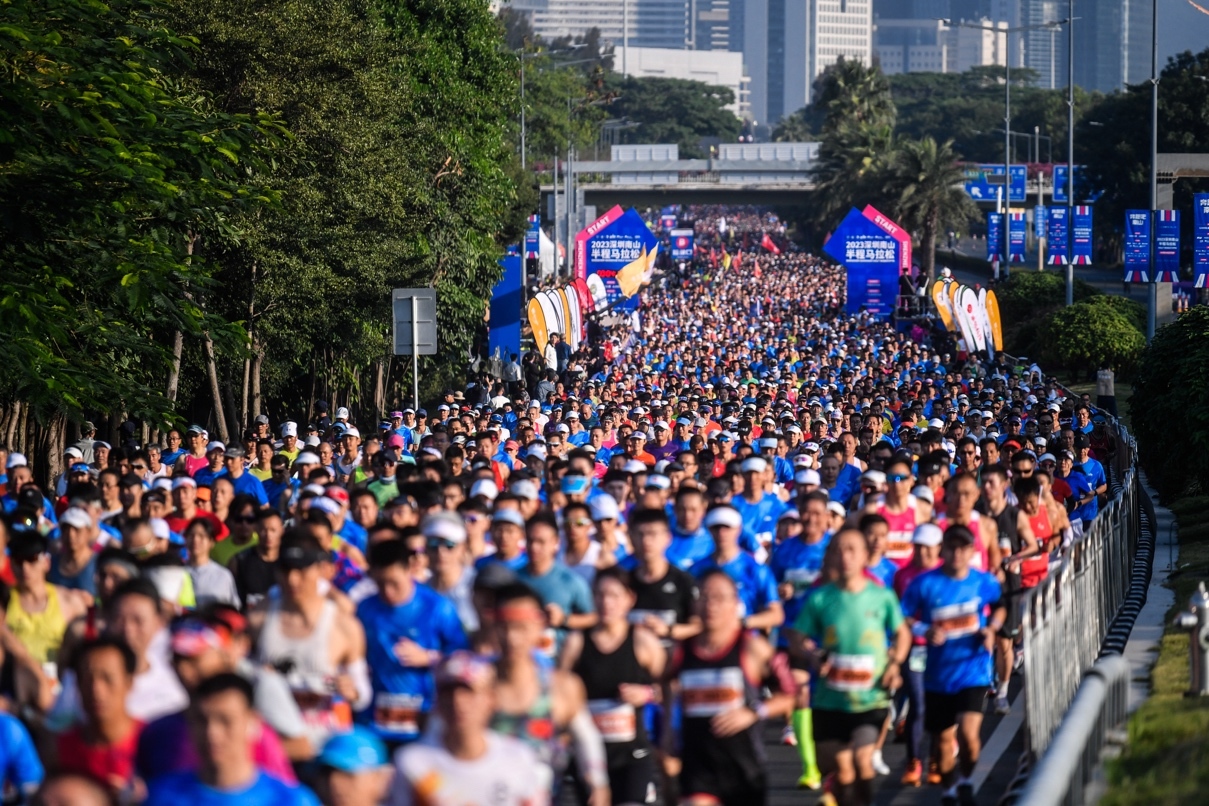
(385, 486)
(843, 628)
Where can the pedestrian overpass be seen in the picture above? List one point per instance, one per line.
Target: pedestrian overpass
(654, 176)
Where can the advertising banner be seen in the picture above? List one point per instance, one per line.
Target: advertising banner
(1017, 229)
(1080, 236)
(1137, 246)
(871, 256)
(1039, 221)
(682, 244)
(896, 232)
(618, 249)
(504, 332)
(1167, 246)
(1200, 240)
(994, 237)
(533, 238)
(1057, 240)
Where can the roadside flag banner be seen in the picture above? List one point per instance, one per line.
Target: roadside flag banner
(682, 244)
(992, 309)
(533, 238)
(1167, 246)
(1080, 231)
(768, 244)
(940, 297)
(1137, 246)
(1200, 240)
(1017, 229)
(994, 237)
(1056, 242)
(619, 249)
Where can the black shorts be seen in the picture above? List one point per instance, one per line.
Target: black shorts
(633, 780)
(1013, 618)
(857, 729)
(941, 710)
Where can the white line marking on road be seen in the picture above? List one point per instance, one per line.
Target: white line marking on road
(999, 742)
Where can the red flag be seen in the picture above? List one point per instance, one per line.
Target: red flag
(738, 259)
(767, 243)
(713, 258)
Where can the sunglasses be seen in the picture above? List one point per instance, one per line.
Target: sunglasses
(472, 519)
(581, 522)
(897, 477)
(244, 519)
(448, 545)
(138, 467)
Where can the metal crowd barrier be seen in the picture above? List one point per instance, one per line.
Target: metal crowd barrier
(1067, 616)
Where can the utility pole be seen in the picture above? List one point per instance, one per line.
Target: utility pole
(1153, 288)
(1070, 148)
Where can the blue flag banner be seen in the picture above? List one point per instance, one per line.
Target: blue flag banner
(1057, 237)
(1167, 246)
(682, 244)
(1200, 240)
(533, 238)
(619, 250)
(1080, 236)
(1137, 246)
(871, 255)
(1017, 229)
(994, 237)
(504, 331)
(1039, 221)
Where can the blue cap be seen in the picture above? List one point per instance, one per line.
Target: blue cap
(358, 750)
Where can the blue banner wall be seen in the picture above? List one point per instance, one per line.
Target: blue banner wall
(1017, 230)
(1200, 240)
(1137, 246)
(1167, 246)
(682, 244)
(1056, 241)
(994, 237)
(870, 255)
(1080, 236)
(505, 326)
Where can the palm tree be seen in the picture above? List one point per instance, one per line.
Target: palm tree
(928, 180)
(854, 170)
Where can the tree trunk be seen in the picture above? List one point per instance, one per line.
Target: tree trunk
(174, 374)
(233, 422)
(49, 441)
(215, 393)
(244, 417)
(10, 426)
(379, 387)
(245, 389)
(257, 361)
(927, 245)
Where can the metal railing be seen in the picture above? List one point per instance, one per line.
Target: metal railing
(1067, 616)
(1099, 708)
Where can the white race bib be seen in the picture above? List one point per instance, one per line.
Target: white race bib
(957, 620)
(851, 673)
(398, 713)
(615, 720)
(708, 692)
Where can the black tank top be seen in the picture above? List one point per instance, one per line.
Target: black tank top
(710, 686)
(1009, 539)
(621, 725)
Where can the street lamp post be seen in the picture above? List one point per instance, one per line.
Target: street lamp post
(521, 56)
(1153, 295)
(1070, 147)
(1007, 115)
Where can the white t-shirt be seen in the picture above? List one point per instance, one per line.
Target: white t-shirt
(508, 774)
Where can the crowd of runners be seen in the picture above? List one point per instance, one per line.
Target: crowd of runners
(600, 577)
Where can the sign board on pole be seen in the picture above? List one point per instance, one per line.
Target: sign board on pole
(424, 311)
(1200, 240)
(682, 244)
(1167, 246)
(980, 181)
(619, 249)
(871, 255)
(994, 237)
(1058, 236)
(1137, 246)
(1017, 227)
(1039, 221)
(1080, 236)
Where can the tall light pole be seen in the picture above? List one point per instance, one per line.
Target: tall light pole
(522, 55)
(1153, 295)
(1007, 115)
(1070, 147)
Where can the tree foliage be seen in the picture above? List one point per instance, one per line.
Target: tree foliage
(931, 197)
(673, 110)
(1168, 408)
(1087, 334)
(108, 168)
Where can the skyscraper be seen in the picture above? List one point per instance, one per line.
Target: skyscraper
(641, 23)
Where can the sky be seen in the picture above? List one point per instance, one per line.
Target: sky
(1181, 27)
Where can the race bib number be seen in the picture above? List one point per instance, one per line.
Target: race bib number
(709, 692)
(957, 620)
(398, 713)
(615, 720)
(801, 578)
(851, 673)
(667, 617)
(899, 546)
(323, 712)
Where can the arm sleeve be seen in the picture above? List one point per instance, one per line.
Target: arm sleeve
(590, 750)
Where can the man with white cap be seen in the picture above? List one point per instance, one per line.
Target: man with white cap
(74, 565)
(215, 464)
(289, 440)
(507, 534)
(761, 607)
(758, 509)
(452, 574)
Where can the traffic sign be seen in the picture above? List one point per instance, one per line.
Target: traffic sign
(981, 180)
(415, 320)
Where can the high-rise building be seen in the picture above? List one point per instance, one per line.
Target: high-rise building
(717, 24)
(720, 69)
(638, 23)
(789, 43)
(930, 46)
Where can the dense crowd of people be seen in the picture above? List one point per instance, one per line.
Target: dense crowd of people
(595, 580)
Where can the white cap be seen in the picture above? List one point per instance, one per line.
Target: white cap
(289, 429)
(1054, 406)
(801, 461)
(444, 526)
(183, 481)
(314, 489)
(661, 425)
(342, 413)
(76, 517)
(658, 482)
(604, 508)
(352, 431)
(874, 477)
(73, 452)
(753, 464)
(807, 476)
(535, 452)
(811, 447)
(724, 516)
(769, 442)
(927, 534)
(936, 422)
(924, 492)
(215, 446)
(1046, 457)
(485, 488)
(837, 508)
(307, 458)
(526, 488)
(16, 460)
(159, 528)
(635, 466)
(312, 441)
(325, 504)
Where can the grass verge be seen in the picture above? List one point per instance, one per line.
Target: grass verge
(1167, 758)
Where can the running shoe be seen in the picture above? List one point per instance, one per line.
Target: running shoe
(1002, 706)
(934, 776)
(812, 781)
(788, 737)
(914, 775)
(879, 764)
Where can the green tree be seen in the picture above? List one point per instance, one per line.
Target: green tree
(794, 128)
(930, 194)
(673, 110)
(1087, 335)
(108, 170)
(852, 94)
(1168, 409)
